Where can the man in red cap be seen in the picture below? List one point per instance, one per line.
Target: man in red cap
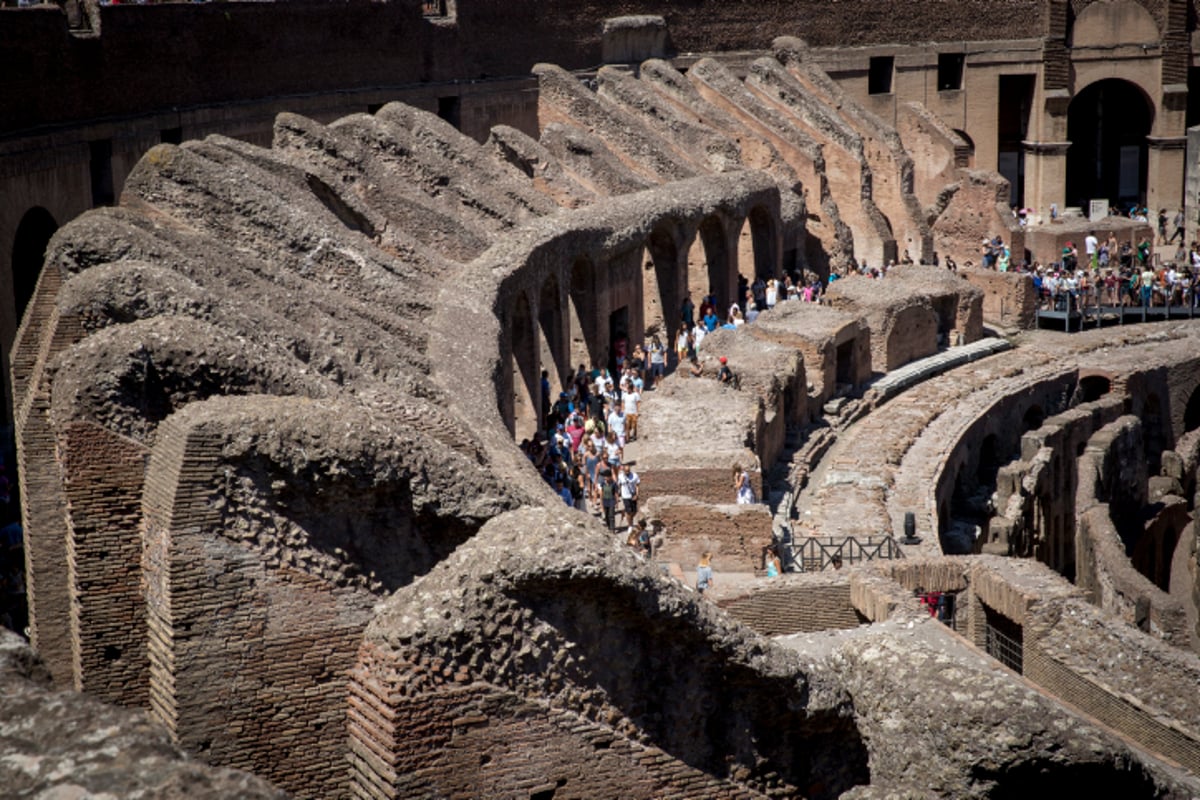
(725, 374)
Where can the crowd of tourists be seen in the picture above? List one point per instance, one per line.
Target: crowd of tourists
(1108, 272)
(580, 450)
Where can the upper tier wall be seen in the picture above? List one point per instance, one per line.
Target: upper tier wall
(181, 55)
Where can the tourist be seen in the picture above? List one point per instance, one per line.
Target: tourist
(616, 422)
(683, 343)
(687, 311)
(591, 465)
(771, 562)
(639, 538)
(725, 374)
(1179, 223)
(608, 498)
(630, 403)
(628, 483)
(704, 574)
(743, 490)
(658, 362)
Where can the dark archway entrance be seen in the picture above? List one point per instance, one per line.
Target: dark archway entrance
(1191, 414)
(1107, 125)
(29, 253)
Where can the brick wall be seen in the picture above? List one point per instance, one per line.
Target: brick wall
(248, 663)
(1009, 299)
(797, 604)
(178, 55)
(104, 553)
(734, 534)
(1112, 469)
(909, 334)
(1111, 709)
(42, 502)
(476, 740)
(713, 486)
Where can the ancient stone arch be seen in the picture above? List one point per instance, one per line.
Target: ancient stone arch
(524, 387)
(718, 260)
(1107, 123)
(28, 253)
(1113, 22)
(552, 323)
(581, 311)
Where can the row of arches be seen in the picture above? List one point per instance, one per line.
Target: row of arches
(597, 302)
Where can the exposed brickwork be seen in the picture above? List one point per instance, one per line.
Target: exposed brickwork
(734, 534)
(449, 740)
(1009, 299)
(796, 604)
(104, 555)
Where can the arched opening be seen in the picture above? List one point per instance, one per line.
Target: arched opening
(525, 377)
(1107, 125)
(553, 339)
(1033, 419)
(1191, 414)
(1153, 435)
(1093, 387)
(708, 263)
(581, 311)
(29, 254)
(964, 156)
(755, 256)
(989, 461)
(660, 290)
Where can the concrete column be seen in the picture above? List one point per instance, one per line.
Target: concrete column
(1045, 176)
(1165, 172)
(1191, 188)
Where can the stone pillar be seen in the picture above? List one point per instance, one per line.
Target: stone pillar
(1165, 172)
(1045, 176)
(1191, 187)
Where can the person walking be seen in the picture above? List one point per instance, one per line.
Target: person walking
(704, 574)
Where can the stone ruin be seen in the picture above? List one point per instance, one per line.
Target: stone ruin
(266, 409)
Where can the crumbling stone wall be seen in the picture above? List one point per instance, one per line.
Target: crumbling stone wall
(836, 348)
(1112, 493)
(619, 647)
(1083, 655)
(1034, 498)
(62, 743)
(734, 534)
(800, 603)
(1009, 299)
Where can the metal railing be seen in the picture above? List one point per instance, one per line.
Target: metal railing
(1118, 302)
(1008, 650)
(815, 553)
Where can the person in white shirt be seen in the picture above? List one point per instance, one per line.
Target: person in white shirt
(1092, 246)
(628, 482)
(630, 401)
(616, 424)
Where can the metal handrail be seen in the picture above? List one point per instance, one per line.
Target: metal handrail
(815, 553)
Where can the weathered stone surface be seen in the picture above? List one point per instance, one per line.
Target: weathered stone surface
(63, 744)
